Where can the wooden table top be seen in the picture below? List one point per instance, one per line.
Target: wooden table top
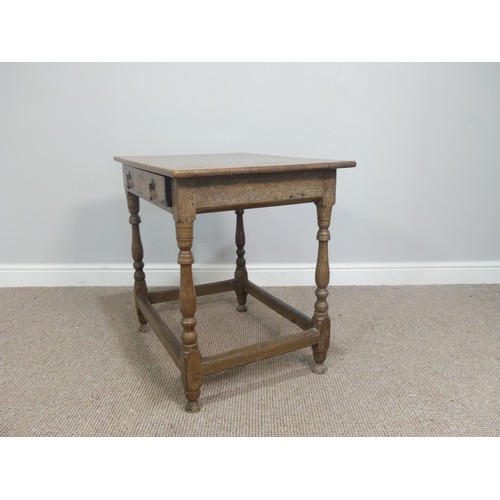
(226, 164)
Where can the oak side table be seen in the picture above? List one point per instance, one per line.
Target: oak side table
(187, 185)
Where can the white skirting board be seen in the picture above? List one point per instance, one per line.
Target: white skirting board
(409, 273)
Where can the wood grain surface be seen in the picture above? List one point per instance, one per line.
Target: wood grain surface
(191, 184)
(226, 164)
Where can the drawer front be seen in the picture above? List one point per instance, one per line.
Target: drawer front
(151, 187)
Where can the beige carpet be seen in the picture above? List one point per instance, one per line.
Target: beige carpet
(404, 361)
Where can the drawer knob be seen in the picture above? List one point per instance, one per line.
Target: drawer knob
(151, 189)
(129, 180)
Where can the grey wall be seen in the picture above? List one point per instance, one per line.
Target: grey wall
(425, 136)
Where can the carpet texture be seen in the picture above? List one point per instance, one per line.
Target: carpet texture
(403, 361)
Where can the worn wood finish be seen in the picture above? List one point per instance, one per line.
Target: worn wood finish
(192, 184)
(241, 274)
(322, 274)
(282, 308)
(190, 166)
(257, 352)
(277, 188)
(152, 187)
(167, 338)
(184, 214)
(140, 286)
(200, 290)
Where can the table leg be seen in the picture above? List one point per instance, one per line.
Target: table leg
(191, 358)
(240, 275)
(321, 320)
(140, 287)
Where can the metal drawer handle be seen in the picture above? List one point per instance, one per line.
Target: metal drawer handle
(151, 189)
(129, 180)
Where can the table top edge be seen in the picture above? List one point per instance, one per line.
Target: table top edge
(308, 164)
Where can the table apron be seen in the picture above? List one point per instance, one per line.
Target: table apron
(280, 188)
(219, 193)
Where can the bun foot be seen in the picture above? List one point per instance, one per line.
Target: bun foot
(192, 407)
(319, 368)
(241, 308)
(144, 328)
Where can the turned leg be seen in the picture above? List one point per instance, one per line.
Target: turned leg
(191, 359)
(140, 287)
(320, 319)
(240, 274)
